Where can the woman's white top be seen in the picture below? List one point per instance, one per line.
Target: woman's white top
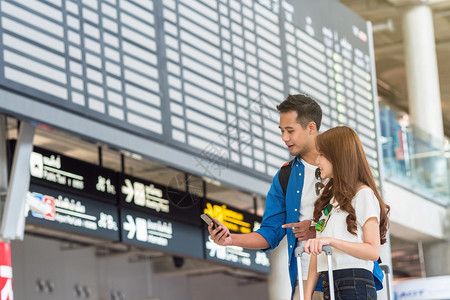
(366, 206)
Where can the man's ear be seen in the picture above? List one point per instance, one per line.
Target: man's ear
(312, 127)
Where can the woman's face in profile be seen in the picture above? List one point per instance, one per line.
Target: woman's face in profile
(325, 166)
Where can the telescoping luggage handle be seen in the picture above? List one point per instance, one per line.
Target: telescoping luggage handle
(298, 253)
(387, 271)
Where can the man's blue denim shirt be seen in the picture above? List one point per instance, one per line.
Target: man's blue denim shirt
(279, 211)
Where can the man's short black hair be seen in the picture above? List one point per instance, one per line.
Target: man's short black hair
(308, 110)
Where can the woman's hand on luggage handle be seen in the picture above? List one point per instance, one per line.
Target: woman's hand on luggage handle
(221, 235)
(302, 230)
(314, 246)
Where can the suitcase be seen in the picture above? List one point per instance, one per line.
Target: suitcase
(298, 253)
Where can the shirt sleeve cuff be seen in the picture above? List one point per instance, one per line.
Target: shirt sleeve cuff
(267, 234)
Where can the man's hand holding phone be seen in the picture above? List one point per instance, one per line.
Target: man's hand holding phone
(220, 234)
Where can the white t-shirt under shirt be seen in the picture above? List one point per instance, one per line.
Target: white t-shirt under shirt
(366, 206)
(309, 195)
(307, 207)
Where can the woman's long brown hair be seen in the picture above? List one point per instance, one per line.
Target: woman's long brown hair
(342, 147)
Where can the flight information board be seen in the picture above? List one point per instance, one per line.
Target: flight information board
(74, 213)
(144, 214)
(159, 233)
(72, 175)
(163, 201)
(330, 58)
(201, 76)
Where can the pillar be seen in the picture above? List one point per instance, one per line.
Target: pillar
(426, 114)
(437, 254)
(421, 70)
(428, 166)
(437, 258)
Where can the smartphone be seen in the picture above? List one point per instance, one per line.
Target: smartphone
(208, 220)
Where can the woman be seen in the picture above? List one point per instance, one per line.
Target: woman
(349, 215)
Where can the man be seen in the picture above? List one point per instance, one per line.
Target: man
(291, 214)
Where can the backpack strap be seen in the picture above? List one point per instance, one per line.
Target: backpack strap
(283, 176)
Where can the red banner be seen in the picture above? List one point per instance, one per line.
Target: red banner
(6, 290)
